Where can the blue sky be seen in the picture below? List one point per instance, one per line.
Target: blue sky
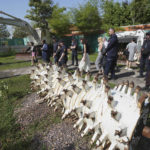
(18, 7)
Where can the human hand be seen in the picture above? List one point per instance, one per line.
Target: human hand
(54, 55)
(146, 132)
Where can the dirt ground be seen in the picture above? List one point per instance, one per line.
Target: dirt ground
(49, 132)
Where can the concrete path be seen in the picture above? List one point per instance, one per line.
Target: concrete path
(122, 74)
(14, 72)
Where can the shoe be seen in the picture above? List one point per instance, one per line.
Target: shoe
(112, 78)
(126, 68)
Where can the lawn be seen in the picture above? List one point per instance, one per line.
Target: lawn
(10, 134)
(9, 62)
(11, 137)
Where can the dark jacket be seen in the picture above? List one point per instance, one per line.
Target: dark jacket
(135, 143)
(146, 48)
(55, 47)
(112, 48)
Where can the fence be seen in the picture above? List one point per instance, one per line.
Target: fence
(91, 38)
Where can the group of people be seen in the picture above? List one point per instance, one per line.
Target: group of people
(60, 54)
(143, 55)
(106, 61)
(34, 52)
(107, 54)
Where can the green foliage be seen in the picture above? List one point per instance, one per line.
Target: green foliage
(117, 14)
(4, 33)
(140, 11)
(39, 12)
(11, 136)
(19, 33)
(87, 17)
(59, 23)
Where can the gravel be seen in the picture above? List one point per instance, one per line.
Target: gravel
(59, 135)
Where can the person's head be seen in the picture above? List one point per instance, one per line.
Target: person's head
(32, 44)
(111, 31)
(44, 41)
(100, 40)
(133, 40)
(61, 43)
(148, 35)
(83, 41)
(54, 40)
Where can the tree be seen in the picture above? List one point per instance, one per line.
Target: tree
(59, 23)
(125, 13)
(87, 17)
(40, 11)
(4, 33)
(115, 14)
(19, 32)
(140, 11)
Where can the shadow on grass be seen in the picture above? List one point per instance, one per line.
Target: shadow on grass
(19, 62)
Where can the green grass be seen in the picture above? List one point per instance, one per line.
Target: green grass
(9, 59)
(10, 62)
(11, 137)
(15, 66)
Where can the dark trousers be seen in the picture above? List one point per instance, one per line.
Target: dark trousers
(63, 62)
(74, 57)
(148, 73)
(143, 64)
(56, 58)
(110, 67)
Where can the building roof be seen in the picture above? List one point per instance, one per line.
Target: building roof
(136, 27)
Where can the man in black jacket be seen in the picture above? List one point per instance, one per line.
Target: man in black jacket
(145, 61)
(55, 48)
(145, 52)
(112, 54)
(74, 52)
